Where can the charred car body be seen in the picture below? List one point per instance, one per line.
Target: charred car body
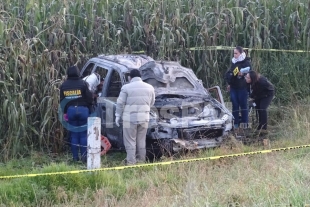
(184, 116)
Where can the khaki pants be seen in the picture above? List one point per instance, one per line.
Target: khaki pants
(134, 140)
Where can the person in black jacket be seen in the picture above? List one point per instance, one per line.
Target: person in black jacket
(262, 93)
(237, 86)
(76, 101)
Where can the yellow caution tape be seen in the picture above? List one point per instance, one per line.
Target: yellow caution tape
(156, 164)
(231, 48)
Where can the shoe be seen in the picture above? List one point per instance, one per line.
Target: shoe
(139, 162)
(75, 159)
(126, 163)
(123, 162)
(236, 130)
(84, 160)
(261, 132)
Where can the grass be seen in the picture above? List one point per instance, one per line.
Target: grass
(274, 179)
(261, 180)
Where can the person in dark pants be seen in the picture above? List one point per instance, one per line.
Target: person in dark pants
(262, 93)
(76, 101)
(237, 86)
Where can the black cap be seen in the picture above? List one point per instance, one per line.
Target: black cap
(73, 72)
(135, 73)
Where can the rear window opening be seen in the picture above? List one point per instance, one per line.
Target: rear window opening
(180, 83)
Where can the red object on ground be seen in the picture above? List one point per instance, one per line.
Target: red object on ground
(105, 144)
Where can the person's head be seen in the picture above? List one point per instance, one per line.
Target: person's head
(101, 81)
(238, 51)
(134, 73)
(73, 72)
(252, 77)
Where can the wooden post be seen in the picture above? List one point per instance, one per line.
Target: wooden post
(93, 143)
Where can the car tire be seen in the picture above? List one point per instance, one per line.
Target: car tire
(166, 147)
(155, 149)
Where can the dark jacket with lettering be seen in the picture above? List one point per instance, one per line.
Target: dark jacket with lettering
(262, 89)
(74, 91)
(231, 76)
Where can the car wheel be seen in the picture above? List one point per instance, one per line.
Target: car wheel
(155, 149)
(166, 147)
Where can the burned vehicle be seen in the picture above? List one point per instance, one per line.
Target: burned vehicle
(184, 116)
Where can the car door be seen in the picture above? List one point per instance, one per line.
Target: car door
(113, 88)
(103, 107)
(103, 71)
(106, 103)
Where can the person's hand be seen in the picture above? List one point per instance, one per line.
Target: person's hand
(117, 121)
(228, 88)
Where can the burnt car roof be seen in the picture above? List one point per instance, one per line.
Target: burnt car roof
(181, 79)
(129, 61)
(163, 71)
(166, 71)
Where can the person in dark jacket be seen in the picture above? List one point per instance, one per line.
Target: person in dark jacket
(76, 101)
(237, 86)
(262, 93)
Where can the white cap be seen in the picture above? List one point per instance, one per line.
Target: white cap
(93, 81)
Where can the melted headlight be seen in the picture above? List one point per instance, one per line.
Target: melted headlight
(208, 112)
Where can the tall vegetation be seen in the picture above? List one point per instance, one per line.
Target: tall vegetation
(40, 39)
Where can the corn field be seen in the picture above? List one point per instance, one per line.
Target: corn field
(40, 39)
